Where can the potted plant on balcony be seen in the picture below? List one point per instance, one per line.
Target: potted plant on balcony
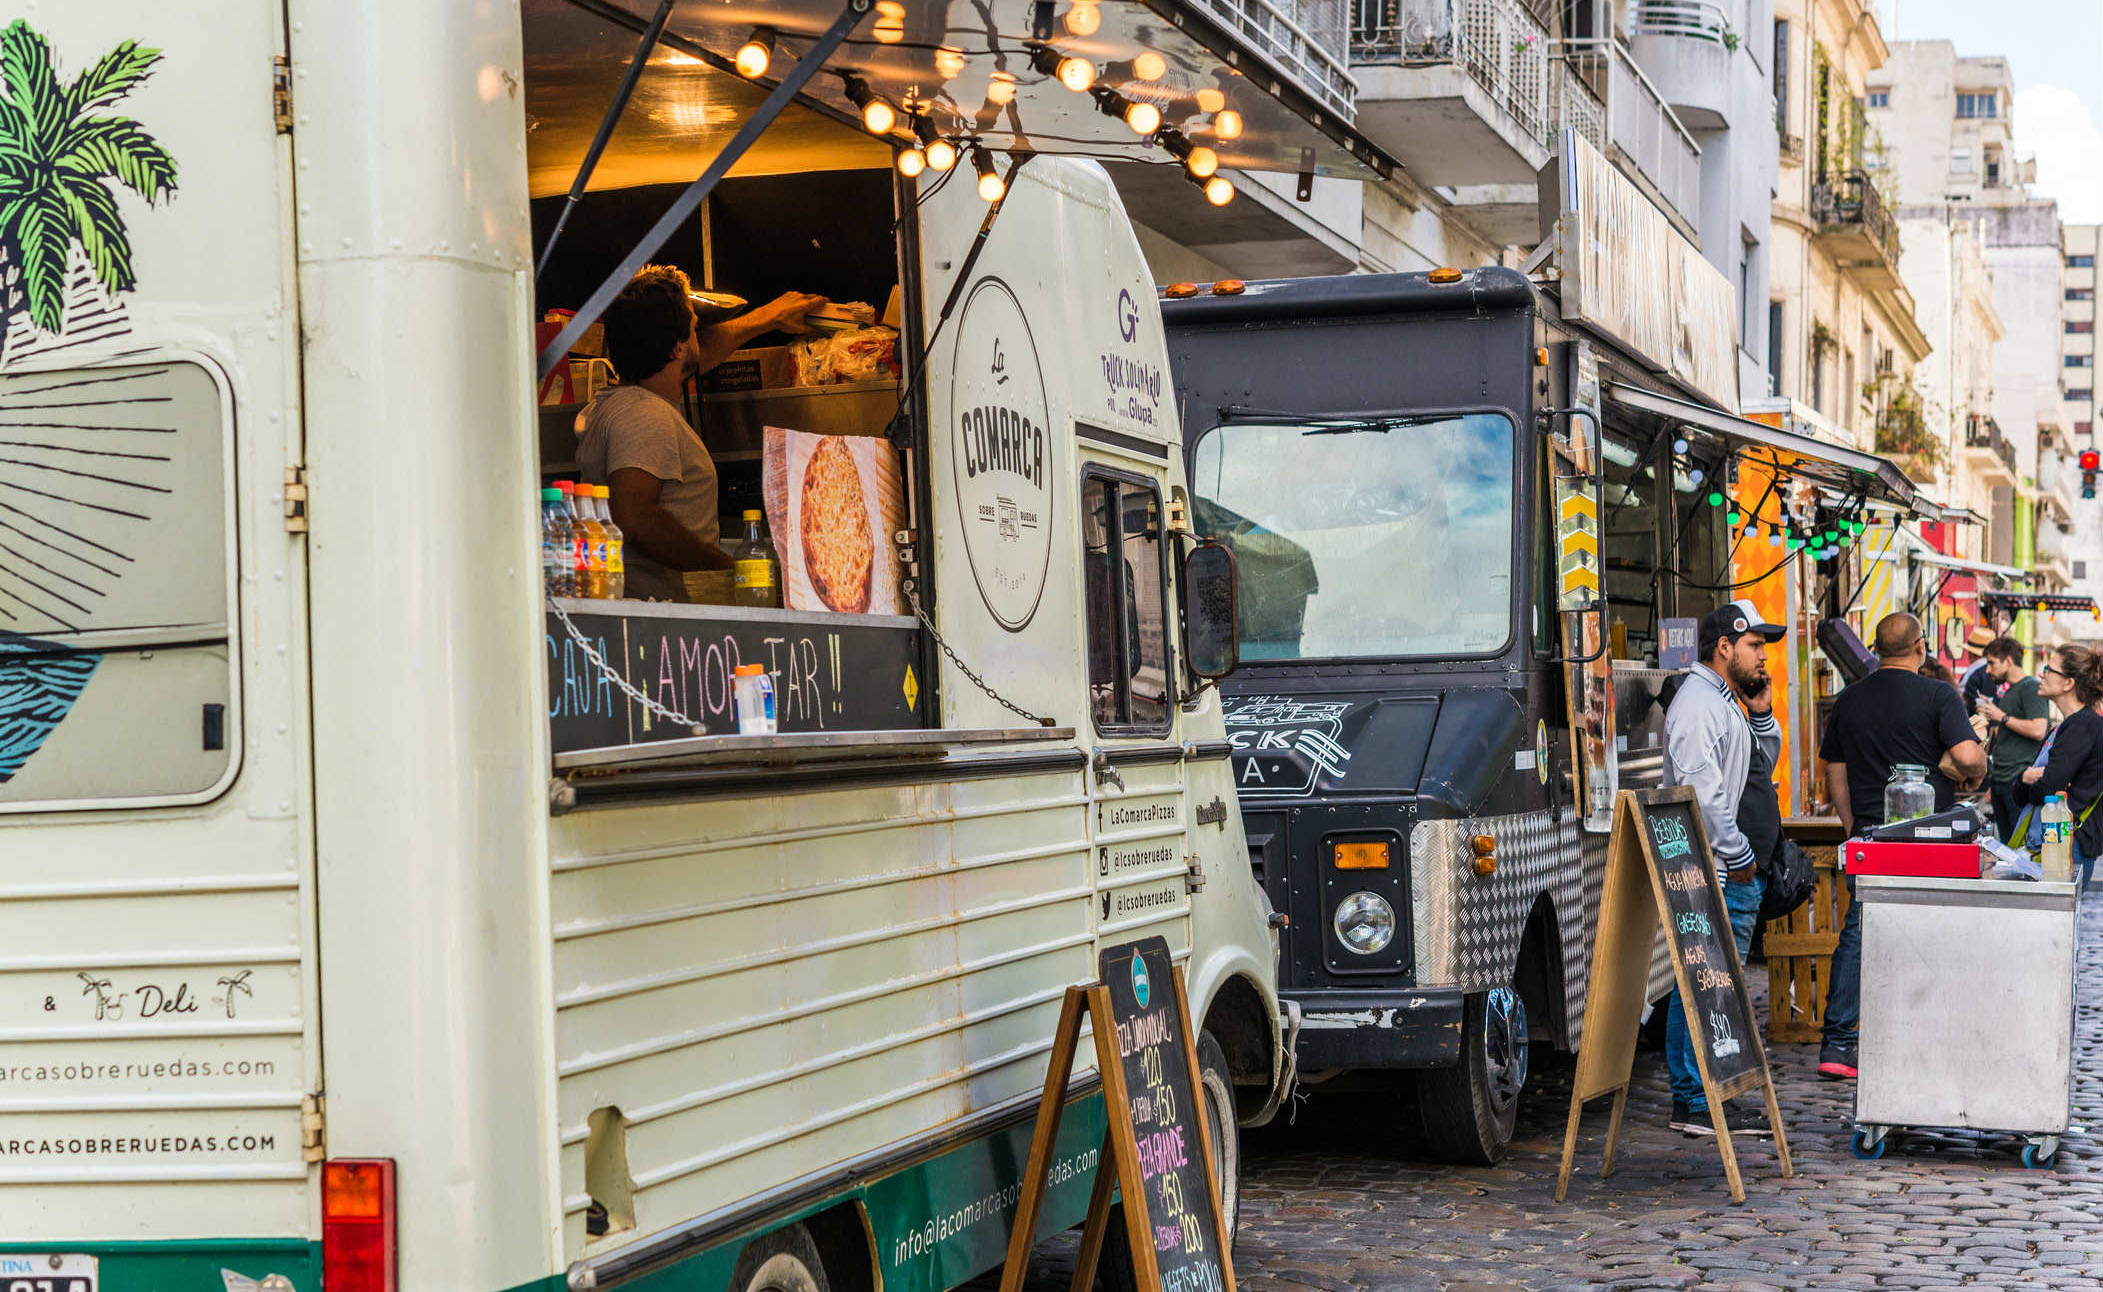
(1901, 415)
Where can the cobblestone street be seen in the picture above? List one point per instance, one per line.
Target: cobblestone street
(1342, 1202)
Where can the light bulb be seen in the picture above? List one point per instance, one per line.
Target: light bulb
(1775, 539)
(911, 162)
(1083, 18)
(1000, 90)
(1218, 191)
(1695, 476)
(1211, 100)
(941, 154)
(889, 31)
(1149, 66)
(949, 62)
(878, 117)
(1144, 118)
(754, 55)
(1679, 448)
(1203, 162)
(991, 186)
(1227, 124)
(1076, 74)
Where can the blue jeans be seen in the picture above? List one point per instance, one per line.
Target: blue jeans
(1844, 986)
(1743, 902)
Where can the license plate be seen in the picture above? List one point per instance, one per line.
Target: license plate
(71, 1272)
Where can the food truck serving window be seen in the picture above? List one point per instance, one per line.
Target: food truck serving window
(1364, 537)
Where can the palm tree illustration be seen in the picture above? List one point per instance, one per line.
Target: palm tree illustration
(59, 158)
(237, 982)
(106, 1006)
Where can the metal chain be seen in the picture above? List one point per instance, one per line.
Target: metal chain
(970, 675)
(599, 662)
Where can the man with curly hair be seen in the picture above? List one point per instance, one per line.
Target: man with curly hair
(635, 440)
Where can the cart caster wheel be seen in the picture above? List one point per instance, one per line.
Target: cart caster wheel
(1869, 1150)
(2037, 1161)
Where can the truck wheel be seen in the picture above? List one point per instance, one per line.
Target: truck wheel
(1470, 1109)
(783, 1261)
(1114, 1268)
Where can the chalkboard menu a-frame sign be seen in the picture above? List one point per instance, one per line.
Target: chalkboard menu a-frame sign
(1659, 868)
(1157, 1151)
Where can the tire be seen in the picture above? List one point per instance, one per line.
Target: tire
(783, 1261)
(1114, 1268)
(1470, 1109)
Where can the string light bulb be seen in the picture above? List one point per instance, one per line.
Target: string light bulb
(911, 162)
(1226, 123)
(1083, 18)
(1000, 89)
(1218, 191)
(949, 63)
(1211, 100)
(991, 186)
(1143, 118)
(1076, 74)
(878, 116)
(1202, 162)
(941, 155)
(1149, 66)
(756, 53)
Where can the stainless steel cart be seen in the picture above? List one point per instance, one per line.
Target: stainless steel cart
(1967, 1009)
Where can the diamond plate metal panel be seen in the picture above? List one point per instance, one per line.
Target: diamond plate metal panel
(1469, 925)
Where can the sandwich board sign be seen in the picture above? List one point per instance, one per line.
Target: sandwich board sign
(1157, 1150)
(1659, 868)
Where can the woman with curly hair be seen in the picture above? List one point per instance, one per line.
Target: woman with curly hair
(2072, 761)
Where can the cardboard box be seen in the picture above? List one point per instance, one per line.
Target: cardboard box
(761, 368)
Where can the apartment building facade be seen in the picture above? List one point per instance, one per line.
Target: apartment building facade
(2084, 558)
(1848, 341)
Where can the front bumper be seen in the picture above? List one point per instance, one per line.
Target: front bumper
(1401, 1027)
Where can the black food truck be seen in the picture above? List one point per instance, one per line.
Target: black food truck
(1475, 515)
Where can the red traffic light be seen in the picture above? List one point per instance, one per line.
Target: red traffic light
(2089, 460)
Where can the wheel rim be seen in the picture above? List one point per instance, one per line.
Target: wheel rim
(1504, 1046)
(1219, 1107)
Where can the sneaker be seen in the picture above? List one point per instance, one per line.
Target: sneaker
(1696, 1121)
(1836, 1064)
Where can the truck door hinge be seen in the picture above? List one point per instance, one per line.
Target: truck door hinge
(295, 500)
(1193, 873)
(281, 93)
(313, 1128)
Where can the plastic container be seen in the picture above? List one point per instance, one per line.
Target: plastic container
(592, 540)
(557, 557)
(2057, 858)
(1908, 794)
(572, 522)
(616, 560)
(756, 572)
(754, 692)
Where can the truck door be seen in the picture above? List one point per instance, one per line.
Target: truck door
(157, 1038)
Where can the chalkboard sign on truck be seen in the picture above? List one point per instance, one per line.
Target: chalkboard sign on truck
(1659, 868)
(1156, 1151)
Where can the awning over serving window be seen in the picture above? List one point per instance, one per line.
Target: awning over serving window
(1844, 470)
(1963, 566)
(987, 73)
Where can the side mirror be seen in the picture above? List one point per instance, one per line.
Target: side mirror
(1211, 612)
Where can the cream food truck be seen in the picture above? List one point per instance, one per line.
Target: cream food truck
(369, 918)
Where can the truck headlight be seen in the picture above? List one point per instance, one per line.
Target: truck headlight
(1364, 923)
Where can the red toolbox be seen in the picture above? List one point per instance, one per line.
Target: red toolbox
(1908, 857)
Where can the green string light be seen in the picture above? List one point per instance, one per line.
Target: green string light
(1715, 498)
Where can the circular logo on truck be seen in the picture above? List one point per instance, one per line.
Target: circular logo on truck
(1001, 454)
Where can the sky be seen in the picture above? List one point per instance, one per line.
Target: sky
(2055, 50)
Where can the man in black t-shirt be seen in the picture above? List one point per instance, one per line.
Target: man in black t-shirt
(1893, 716)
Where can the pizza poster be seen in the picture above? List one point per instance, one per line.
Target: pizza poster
(833, 503)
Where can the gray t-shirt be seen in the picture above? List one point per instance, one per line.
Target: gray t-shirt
(628, 426)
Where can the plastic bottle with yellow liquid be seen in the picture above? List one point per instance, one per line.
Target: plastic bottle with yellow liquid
(614, 556)
(756, 572)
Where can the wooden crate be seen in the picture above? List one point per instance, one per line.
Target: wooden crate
(1800, 954)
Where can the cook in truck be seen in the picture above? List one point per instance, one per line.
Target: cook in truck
(635, 440)
(1709, 745)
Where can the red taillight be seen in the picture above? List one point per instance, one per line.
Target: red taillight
(357, 1225)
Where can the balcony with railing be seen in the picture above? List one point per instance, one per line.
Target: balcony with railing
(1457, 90)
(1686, 47)
(1986, 451)
(1856, 229)
(1308, 40)
(1637, 128)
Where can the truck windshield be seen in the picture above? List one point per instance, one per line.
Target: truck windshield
(1364, 538)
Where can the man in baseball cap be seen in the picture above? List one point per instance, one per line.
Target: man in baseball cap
(1711, 729)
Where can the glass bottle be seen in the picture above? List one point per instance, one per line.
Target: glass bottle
(556, 553)
(1907, 794)
(616, 544)
(757, 571)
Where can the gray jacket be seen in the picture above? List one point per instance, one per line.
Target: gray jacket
(1708, 745)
